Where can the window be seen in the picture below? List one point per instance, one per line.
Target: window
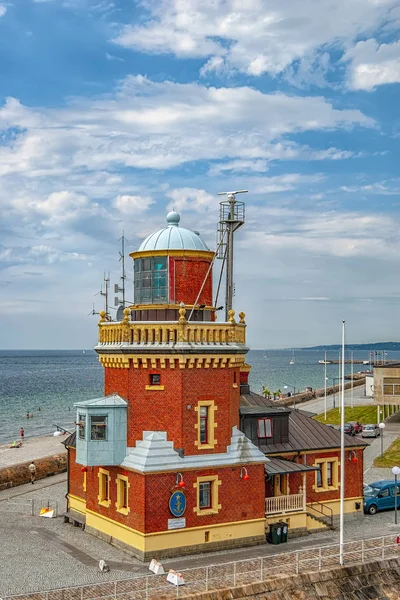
(98, 428)
(384, 493)
(205, 494)
(155, 379)
(391, 386)
(151, 280)
(264, 428)
(319, 477)
(204, 424)
(104, 487)
(329, 471)
(122, 503)
(82, 426)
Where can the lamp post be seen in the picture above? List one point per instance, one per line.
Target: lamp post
(285, 386)
(334, 391)
(381, 428)
(396, 472)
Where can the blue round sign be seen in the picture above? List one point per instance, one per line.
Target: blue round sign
(177, 503)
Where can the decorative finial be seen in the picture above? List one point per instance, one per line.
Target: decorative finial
(182, 312)
(102, 315)
(231, 314)
(127, 313)
(173, 218)
(241, 317)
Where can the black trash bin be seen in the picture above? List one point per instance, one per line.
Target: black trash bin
(275, 533)
(284, 534)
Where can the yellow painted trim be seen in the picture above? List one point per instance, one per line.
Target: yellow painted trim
(84, 482)
(119, 503)
(180, 253)
(211, 425)
(174, 306)
(104, 495)
(323, 462)
(215, 507)
(154, 388)
(175, 538)
(77, 504)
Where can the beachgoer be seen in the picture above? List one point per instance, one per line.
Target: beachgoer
(22, 433)
(16, 444)
(27, 415)
(31, 416)
(32, 469)
(39, 408)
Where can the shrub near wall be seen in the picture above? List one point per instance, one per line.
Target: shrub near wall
(20, 474)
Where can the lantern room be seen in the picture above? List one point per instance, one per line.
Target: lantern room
(171, 266)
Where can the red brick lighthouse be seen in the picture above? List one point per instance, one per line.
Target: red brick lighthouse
(160, 465)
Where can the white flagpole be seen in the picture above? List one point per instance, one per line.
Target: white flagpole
(352, 373)
(325, 385)
(342, 458)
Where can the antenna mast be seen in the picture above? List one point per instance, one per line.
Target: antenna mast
(121, 288)
(105, 294)
(231, 217)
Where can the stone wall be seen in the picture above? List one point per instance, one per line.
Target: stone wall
(20, 474)
(373, 581)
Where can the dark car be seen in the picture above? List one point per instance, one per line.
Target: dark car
(349, 429)
(357, 427)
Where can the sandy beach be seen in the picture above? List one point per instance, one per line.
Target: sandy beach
(32, 449)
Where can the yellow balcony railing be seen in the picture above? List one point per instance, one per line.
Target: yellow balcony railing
(171, 332)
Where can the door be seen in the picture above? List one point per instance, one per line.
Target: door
(385, 498)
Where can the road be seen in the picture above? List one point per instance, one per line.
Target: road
(317, 405)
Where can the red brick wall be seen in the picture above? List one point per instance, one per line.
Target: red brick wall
(189, 276)
(75, 475)
(353, 477)
(149, 497)
(167, 410)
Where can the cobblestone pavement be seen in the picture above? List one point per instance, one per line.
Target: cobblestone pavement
(40, 554)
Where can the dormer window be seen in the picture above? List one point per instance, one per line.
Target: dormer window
(98, 428)
(264, 428)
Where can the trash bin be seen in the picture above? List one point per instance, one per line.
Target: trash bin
(284, 534)
(275, 533)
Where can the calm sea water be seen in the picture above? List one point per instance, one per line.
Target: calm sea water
(47, 383)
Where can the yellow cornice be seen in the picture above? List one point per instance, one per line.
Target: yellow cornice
(180, 253)
(169, 306)
(168, 361)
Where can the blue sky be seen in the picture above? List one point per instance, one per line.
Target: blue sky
(111, 113)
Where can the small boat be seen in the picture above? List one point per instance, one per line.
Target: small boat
(324, 362)
(365, 362)
(292, 361)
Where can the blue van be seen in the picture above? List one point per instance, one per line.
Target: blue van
(380, 496)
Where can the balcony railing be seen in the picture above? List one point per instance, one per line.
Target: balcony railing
(139, 333)
(284, 504)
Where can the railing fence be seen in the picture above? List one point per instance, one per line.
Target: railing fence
(29, 506)
(226, 575)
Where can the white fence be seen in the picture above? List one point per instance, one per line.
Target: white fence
(284, 504)
(227, 575)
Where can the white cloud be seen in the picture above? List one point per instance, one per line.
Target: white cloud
(240, 166)
(373, 64)
(132, 204)
(191, 199)
(3, 10)
(255, 37)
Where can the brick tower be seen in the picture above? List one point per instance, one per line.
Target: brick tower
(160, 465)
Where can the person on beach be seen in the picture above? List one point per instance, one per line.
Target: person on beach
(32, 469)
(22, 433)
(27, 415)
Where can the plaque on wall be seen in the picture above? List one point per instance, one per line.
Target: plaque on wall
(177, 503)
(177, 523)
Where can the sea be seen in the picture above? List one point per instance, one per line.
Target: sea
(47, 383)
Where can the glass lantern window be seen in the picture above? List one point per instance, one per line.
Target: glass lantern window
(151, 280)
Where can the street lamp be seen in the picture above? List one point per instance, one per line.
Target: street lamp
(285, 386)
(396, 472)
(381, 427)
(334, 391)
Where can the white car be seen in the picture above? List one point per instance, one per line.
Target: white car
(370, 431)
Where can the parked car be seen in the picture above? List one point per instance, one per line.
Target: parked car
(357, 427)
(370, 431)
(349, 429)
(380, 496)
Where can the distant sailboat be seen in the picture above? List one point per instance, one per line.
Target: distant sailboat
(83, 352)
(292, 361)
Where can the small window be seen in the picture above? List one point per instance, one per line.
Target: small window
(319, 477)
(98, 428)
(264, 428)
(155, 379)
(205, 500)
(204, 424)
(384, 493)
(104, 491)
(234, 377)
(82, 426)
(329, 472)
(122, 494)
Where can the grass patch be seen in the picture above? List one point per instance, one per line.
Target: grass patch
(391, 457)
(362, 414)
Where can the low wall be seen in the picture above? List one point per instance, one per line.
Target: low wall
(374, 581)
(20, 474)
(307, 396)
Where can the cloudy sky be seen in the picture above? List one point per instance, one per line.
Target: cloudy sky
(113, 112)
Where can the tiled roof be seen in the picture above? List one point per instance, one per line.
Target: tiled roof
(279, 465)
(70, 441)
(304, 432)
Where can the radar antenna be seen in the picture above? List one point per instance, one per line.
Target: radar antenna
(121, 288)
(231, 217)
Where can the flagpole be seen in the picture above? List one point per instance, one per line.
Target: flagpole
(342, 457)
(325, 386)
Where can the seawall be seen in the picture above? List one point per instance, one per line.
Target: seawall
(374, 581)
(18, 474)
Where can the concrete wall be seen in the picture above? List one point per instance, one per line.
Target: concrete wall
(374, 580)
(20, 474)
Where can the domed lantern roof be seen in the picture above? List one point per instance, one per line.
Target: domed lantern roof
(173, 237)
